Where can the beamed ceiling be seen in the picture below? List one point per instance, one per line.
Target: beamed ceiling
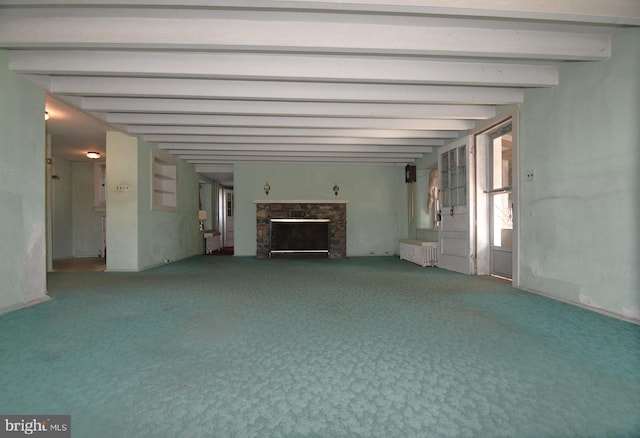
(362, 82)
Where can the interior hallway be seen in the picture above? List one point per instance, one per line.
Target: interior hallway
(80, 264)
(234, 346)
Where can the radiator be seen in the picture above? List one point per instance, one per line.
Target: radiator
(431, 256)
(420, 252)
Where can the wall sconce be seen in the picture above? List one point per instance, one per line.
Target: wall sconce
(46, 116)
(267, 188)
(336, 189)
(93, 155)
(202, 216)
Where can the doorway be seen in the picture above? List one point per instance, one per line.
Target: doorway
(496, 201)
(501, 202)
(225, 216)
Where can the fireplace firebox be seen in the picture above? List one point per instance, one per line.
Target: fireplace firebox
(299, 237)
(321, 225)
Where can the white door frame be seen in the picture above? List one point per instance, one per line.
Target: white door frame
(480, 235)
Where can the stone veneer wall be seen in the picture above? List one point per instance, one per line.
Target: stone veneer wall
(336, 212)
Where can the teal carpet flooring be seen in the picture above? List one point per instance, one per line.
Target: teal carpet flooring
(363, 347)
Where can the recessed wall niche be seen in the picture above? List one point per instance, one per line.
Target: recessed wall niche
(164, 182)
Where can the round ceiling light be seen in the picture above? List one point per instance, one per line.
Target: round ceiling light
(93, 155)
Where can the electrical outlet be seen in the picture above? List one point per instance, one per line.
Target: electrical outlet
(530, 175)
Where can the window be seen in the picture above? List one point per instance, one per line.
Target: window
(454, 177)
(229, 204)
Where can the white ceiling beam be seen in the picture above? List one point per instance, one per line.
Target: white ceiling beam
(286, 122)
(307, 147)
(618, 12)
(398, 35)
(292, 109)
(317, 109)
(293, 143)
(301, 154)
(274, 90)
(319, 68)
(325, 159)
(289, 132)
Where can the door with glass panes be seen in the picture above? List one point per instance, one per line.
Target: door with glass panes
(501, 201)
(455, 226)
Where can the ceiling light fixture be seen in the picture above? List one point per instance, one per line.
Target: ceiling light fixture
(93, 155)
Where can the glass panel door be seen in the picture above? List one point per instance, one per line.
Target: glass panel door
(501, 201)
(454, 177)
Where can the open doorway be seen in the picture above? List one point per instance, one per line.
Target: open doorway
(225, 218)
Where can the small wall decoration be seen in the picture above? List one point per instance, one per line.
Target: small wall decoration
(410, 174)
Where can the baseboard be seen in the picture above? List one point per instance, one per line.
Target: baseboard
(583, 306)
(23, 305)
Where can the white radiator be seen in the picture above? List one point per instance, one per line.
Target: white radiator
(432, 251)
(420, 252)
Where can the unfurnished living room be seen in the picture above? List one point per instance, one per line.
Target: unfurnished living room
(320, 218)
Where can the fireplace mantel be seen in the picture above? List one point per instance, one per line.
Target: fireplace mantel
(300, 201)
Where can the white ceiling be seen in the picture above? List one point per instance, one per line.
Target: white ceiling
(296, 81)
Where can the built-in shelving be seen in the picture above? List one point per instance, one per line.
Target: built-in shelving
(164, 182)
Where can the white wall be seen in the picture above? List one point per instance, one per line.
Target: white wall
(376, 213)
(87, 222)
(22, 190)
(122, 207)
(77, 226)
(579, 226)
(62, 202)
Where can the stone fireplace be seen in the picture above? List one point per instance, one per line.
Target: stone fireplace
(332, 212)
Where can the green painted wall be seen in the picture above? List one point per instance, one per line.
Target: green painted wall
(376, 213)
(421, 226)
(579, 226)
(22, 193)
(171, 235)
(138, 237)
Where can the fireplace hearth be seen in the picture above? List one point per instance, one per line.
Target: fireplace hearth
(296, 229)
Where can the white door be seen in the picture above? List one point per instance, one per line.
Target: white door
(455, 225)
